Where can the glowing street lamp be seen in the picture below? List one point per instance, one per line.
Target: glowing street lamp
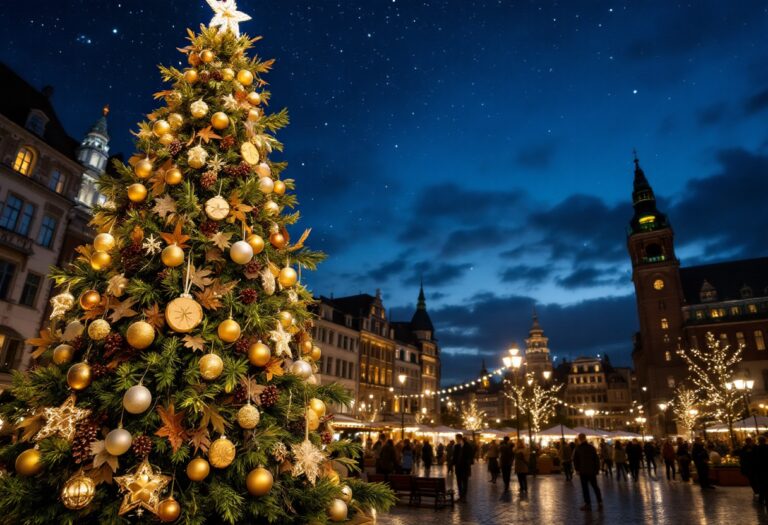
(401, 378)
(590, 413)
(641, 421)
(745, 386)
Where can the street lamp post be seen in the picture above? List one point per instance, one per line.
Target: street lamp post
(401, 378)
(663, 408)
(641, 421)
(745, 386)
(590, 413)
(515, 361)
(528, 413)
(693, 413)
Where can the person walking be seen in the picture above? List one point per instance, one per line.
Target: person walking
(416, 454)
(668, 455)
(761, 470)
(427, 457)
(634, 457)
(606, 456)
(492, 457)
(463, 456)
(406, 458)
(649, 451)
(620, 459)
(387, 459)
(449, 450)
(506, 458)
(701, 460)
(522, 466)
(566, 457)
(587, 465)
(747, 464)
(440, 453)
(683, 459)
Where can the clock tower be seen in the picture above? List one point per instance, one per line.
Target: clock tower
(659, 293)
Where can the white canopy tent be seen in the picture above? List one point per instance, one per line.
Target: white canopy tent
(743, 425)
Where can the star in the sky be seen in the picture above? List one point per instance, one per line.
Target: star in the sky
(62, 421)
(226, 15)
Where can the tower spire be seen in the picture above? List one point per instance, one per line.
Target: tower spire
(647, 217)
(422, 302)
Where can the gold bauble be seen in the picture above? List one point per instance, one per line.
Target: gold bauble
(207, 56)
(198, 469)
(173, 176)
(306, 346)
(183, 314)
(229, 331)
(286, 318)
(263, 170)
(99, 329)
(245, 77)
(90, 300)
(256, 242)
(221, 453)
(287, 277)
(63, 354)
(211, 366)
(175, 120)
(248, 416)
(219, 120)
(198, 108)
(161, 127)
(118, 442)
(140, 335)
(137, 399)
(29, 462)
(103, 242)
(241, 252)
(190, 75)
(172, 255)
(346, 494)
(173, 99)
(266, 185)
(100, 260)
(332, 475)
(259, 482)
(137, 192)
(271, 208)
(254, 114)
(79, 376)
(143, 168)
(279, 187)
(337, 511)
(278, 240)
(254, 98)
(167, 139)
(316, 353)
(313, 422)
(194, 59)
(228, 73)
(78, 491)
(259, 354)
(317, 406)
(168, 510)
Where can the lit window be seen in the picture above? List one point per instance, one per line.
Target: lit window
(759, 340)
(56, 182)
(667, 356)
(699, 314)
(740, 339)
(29, 292)
(735, 310)
(664, 324)
(24, 160)
(671, 381)
(724, 339)
(716, 313)
(752, 308)
(10, 346)
(47, 231)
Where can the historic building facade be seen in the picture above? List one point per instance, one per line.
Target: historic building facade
(677, 305)
(40, 178)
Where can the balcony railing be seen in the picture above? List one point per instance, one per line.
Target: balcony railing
(16, 241)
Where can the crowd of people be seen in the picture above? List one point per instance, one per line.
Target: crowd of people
(625, 460)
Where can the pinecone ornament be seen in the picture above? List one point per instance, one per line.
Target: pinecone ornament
(297, 427)
(248, 295)
(205, 76)
(252, 268)
(209, 228)
(98, 370)
(174, 148)
(141, 446)
(217, 75)
(243, 344)
(240, 395)
(268, 396)
(113, 344)
(133, 258)
(77, 343)
(227, 142)
(86, 433)
(208, 179)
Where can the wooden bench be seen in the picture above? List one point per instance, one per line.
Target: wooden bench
(401, 484)
(432, 488)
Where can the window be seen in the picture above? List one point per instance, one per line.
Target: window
(10, 344)
(694, 341)
(735, 310)
(671, 381)
(29, 292)
(24, 161)
(17, 215)
(6, 276)
(47, 231)
(56, 182)
(759, 341)
(724, 339)
(664, 324)
(717, 313)
(740, 341)
(329, 366)
(667, 356)
(699, 314)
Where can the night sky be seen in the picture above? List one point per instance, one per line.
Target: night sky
(485, 147)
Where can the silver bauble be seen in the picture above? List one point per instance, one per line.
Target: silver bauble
(302, 369)
(118, 441)
(241, 252)
(137, 399)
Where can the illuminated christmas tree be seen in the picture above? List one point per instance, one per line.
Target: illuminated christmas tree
(537, 401)
(176, 381)
(684, 406)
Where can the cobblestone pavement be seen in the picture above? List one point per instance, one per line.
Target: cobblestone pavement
(553, 500)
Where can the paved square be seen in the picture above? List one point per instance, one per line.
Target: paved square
(553, 500)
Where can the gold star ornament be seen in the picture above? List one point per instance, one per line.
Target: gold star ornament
(62, 421)
(281, 339)
(226, 16)
(142, 489)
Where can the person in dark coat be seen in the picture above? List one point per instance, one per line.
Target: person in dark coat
(427, 457)
(701, 460)
(567, 459)
(747, 464)
(683, 459)
(760, 459)
(649, 451)
(668, 454)
(449, 455)
(492, 457)
(522, 466)
(387, 458)
(463, 456)
(440, 453)
(587, 465)
(506, 456)
(634, 458)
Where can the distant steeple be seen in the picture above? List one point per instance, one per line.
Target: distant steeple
(647, 217)
(421, 322)
(422, 302)
(93, 154)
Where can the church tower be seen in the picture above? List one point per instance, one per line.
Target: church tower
(93, 154)
(537, 349)
(429, 352)
(658, 290)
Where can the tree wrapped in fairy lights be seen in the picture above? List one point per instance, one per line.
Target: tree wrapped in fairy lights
(685, 409)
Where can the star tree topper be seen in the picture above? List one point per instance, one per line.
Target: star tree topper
(226, 16)
(142, 489)
(62, 421)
